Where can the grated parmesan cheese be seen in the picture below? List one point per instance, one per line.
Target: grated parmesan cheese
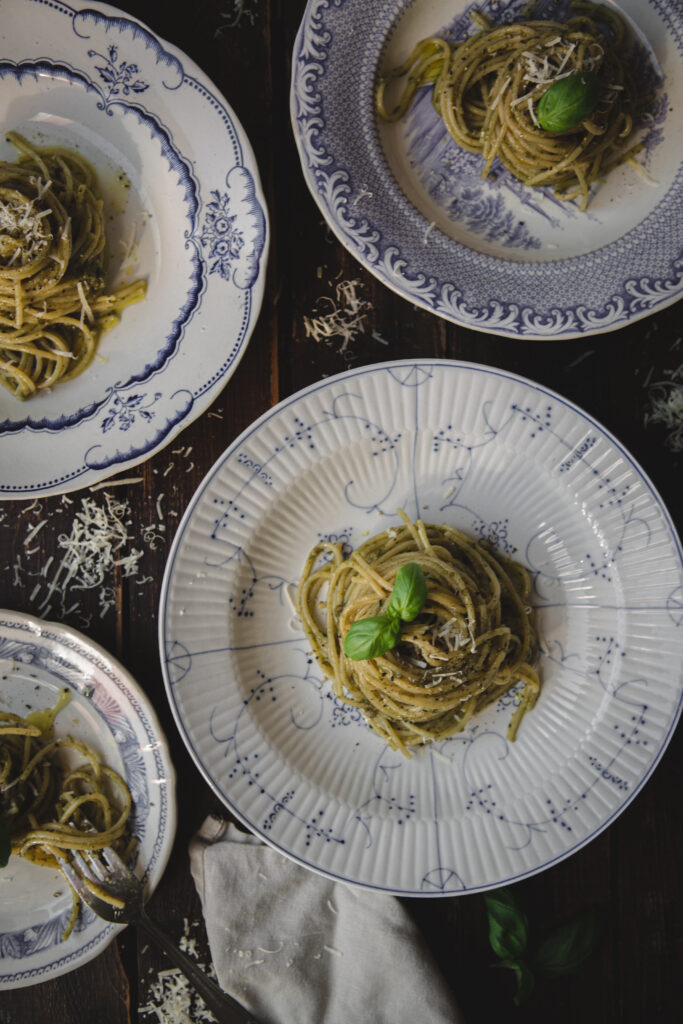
(34, 532)
(21, 223)
(173, 1000)
(116, 483)
(345, 319)
(86, 311)
(542, 69)
(666, 407)
(500, 92)
(99, 543)
(239, 10)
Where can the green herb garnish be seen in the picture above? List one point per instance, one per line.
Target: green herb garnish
(566, 948)
(370, 638)
(508, 926)
(561, 952)
(374, 636)
(409, 593)
(568, 102)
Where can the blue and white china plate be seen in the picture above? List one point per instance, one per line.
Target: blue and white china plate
(505, 460)
(108, 710)
(185, 211)
(490, 255)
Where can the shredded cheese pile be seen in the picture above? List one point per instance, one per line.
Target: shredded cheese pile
(19, 222)
(544, 69)
(344, 320)
(94, 546)
(666, 407)
(172, 998)
(100, 543)
(234, 16)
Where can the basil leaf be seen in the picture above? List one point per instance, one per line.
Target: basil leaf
(568, 102)
(409, 593)
(525, 984)
(508, 925)
(525, 979)
(370, 638)
(5, 845)
(566, 948)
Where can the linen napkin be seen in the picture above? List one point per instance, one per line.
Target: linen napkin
(297, 948)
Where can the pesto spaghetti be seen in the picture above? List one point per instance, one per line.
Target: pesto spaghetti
(490, 91)
(53, 301)
(50, 808)
(471, 642)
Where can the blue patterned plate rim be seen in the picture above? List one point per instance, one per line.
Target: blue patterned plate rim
(186, 539)
(141, 111)
(61, 656)
(479, 274)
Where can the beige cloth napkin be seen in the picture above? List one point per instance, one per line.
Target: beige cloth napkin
(297, 948)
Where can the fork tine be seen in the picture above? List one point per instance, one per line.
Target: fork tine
(114, 861)
(118, 900)
(108, 852)
(97, 870)
(72, 876)
(88, 868)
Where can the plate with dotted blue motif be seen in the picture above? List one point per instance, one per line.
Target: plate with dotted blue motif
(184, 210)
(489, 254)
(507, 461)
(106, 709)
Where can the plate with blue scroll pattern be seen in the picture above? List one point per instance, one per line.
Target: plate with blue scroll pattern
(492, 255)
(184, 210)
(109, 711)
(504, 460)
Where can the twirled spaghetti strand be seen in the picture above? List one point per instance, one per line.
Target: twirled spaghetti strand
(53, 302)
(487, 89)
(471, 643)
(51, 806)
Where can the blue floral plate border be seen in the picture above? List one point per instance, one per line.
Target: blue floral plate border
(109, 710)
(517, 465)
(493, 256)
(185, 211)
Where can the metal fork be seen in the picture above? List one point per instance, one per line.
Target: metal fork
(93, 881)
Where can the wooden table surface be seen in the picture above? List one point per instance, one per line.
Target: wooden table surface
(631, 872)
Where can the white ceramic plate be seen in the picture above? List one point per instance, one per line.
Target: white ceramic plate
(503, 459)
(109, 711)
(185, 211)
(491, 255)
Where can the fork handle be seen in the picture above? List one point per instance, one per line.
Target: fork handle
(225, 1009)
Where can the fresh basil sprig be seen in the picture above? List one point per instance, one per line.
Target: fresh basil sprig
(374, 636)
(561, 952)
(508, 926)
(566, 948)
(568, 102)
(409, 593)
(5, 845)
(370, 638)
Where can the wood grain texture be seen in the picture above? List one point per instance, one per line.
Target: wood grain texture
(631, 872)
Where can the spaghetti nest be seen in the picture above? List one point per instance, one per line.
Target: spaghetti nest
(472, 641)
(487, 90)
(52, 808)
(53, 301)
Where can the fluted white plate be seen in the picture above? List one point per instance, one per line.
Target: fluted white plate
(491, 255)
(108, 710)
(184, 210)
(503, 459)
